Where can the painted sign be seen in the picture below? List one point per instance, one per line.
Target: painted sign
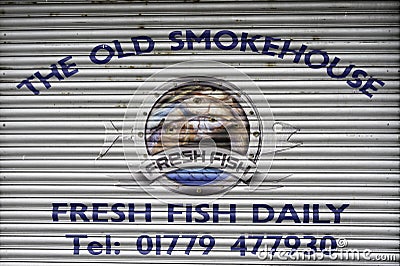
(248, 133)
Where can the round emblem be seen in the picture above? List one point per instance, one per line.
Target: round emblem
(194, 129)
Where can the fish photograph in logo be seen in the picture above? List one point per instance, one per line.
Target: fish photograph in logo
(202, 134)
(197, 132)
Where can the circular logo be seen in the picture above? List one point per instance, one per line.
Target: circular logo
(195, 129)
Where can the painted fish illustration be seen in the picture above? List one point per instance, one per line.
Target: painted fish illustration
(186, 116)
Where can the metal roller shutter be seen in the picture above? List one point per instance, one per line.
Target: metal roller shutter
(67, 172)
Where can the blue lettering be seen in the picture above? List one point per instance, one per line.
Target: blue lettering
(189, 213)
(250, 42)
(334, 63)
(256, 211)
(316, 219)
(96, 212)
(181, 44)
(56, 211)
(199, 210)
(75, 212)
(293, 215)
(95, 50)
(137, 47)
(146, 212)
(171, 211)
(29, 85)
(231, 212)
(297, 54)
(54, 73)
(65, 67)
(121, 214)
(222, 46)
(94, 245)
(357, 83)
(324, 55)
(268, 45)
(121, 53)
(76, 242)
(190, 36)
(306, 212)
(337, 211)
(369, 85)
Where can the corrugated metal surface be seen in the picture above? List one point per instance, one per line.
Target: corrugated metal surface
(346, 144)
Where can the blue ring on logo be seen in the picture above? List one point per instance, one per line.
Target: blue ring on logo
(197, 176)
